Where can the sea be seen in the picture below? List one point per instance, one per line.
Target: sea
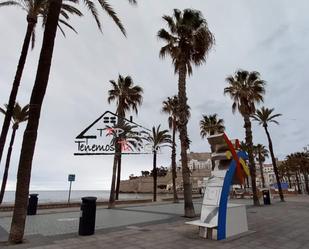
(76, 195)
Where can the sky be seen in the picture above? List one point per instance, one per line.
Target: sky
(268, 36)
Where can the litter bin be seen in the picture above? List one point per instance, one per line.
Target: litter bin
(32, 204)
(266, 197)
(87, 216)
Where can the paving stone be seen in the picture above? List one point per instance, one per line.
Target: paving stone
(281, 225)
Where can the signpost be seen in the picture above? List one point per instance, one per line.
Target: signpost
(71, 178)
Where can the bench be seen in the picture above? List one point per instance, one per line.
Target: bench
(205, 229)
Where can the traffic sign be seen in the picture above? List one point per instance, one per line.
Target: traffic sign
(71, 178)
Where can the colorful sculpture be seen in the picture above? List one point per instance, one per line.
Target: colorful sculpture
(217, 215)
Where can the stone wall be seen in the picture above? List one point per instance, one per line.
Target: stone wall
(144, 184)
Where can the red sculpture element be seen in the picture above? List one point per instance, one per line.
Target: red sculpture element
(239, 172)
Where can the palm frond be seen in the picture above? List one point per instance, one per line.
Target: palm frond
(188, 41)
(265, 116)
(210, 125)
(11, 3)
(171, 23)
(134, 2)
(61, 30)
(246, 90)
(2, 111)
(92, 8)
(67, 24)
(110, 11)
(127, 95)
(70, 9)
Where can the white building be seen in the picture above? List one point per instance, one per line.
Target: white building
(197, 161)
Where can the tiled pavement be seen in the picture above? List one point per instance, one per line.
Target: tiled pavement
(59, 223)
(281, 225)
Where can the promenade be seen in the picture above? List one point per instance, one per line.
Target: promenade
(280, 225)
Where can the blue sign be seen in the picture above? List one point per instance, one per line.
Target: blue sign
(71, 178)
(284, 185)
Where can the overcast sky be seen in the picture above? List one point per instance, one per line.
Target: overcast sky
(269, 36)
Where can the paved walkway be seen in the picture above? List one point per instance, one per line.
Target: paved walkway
(281, 225)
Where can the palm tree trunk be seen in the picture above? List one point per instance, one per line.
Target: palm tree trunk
(118, 177)
(247, 182)
(298, 184)
(306, 181)
(154, 175)
(289, 180)
(261, 171)
(16, 83)
(173, 157)
(111, 202)
(184, 141)
(213, 163)
(249, 143)
(30, 134)
(7, 165)
(112, 196)
(120, 122)
(273, 159)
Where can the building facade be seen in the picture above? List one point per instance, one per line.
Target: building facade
(198, 163)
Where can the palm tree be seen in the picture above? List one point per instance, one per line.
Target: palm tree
(30, 134)
(158, 139)
(128, 97)
(34, 10)
(246, 89)
(261, 154)
(243, 146)
(19, 115)
(265, 116)
(285, 171)
(299, 164)
(170, 106)
(210, 125)
(293, 166)
(303, 158)
(36, 100)
(129, 139)
(188, 42)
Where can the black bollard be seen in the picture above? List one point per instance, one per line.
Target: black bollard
(88, 215)
(32, 204)
(266, 197)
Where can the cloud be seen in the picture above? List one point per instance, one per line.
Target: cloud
(275, 37)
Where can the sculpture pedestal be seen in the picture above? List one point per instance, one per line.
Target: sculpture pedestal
(236, 222)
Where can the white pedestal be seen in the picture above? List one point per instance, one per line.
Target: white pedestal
(236, 220)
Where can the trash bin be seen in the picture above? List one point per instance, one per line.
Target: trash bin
(266, 197)
(87, 216)
(32, 204)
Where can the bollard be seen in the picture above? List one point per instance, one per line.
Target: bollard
(266, 197)
(32, 204)
(87, 216)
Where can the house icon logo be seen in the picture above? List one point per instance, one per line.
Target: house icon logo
(99, 137)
